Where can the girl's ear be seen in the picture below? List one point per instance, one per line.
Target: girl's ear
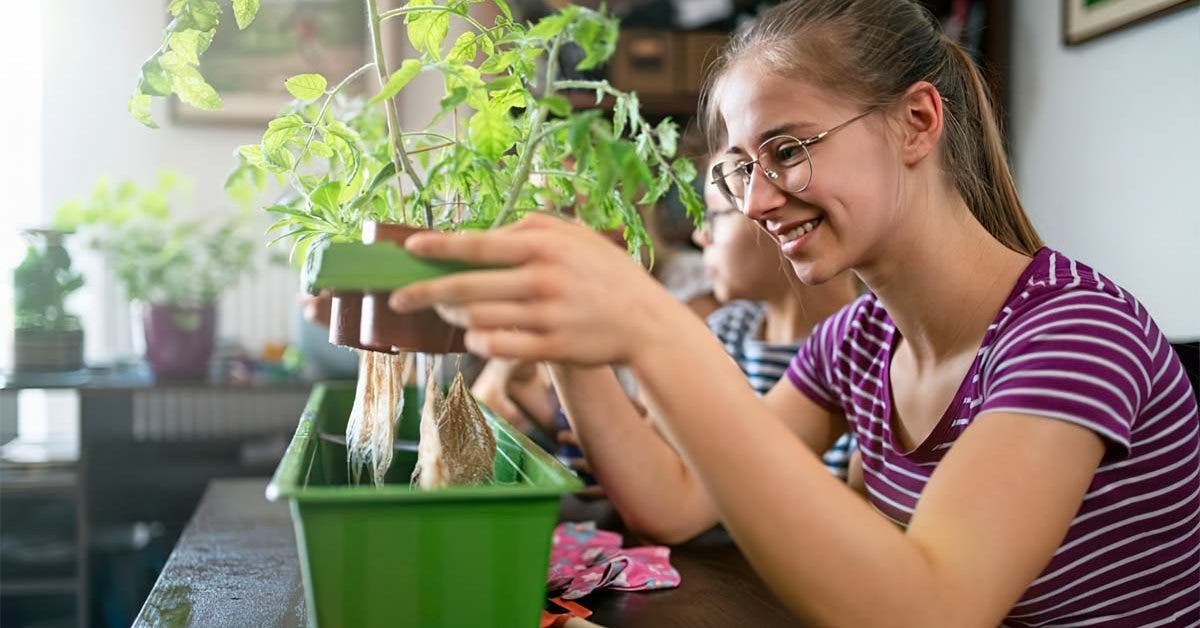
(921, 116)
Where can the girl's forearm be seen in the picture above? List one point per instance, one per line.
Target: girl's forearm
(642, 475)
(821, 548)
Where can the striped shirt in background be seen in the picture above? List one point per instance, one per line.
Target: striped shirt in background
(1068, 345)
(738, 325)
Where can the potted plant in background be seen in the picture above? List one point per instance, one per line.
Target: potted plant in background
(46, 338)
(172, 269)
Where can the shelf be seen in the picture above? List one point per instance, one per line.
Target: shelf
(39, 586)
(20, 479)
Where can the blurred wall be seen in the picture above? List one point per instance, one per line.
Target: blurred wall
(1105, 142)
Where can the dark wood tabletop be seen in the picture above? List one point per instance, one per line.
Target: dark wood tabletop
(236, 565)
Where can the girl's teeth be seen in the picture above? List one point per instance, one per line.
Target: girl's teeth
(802, 229)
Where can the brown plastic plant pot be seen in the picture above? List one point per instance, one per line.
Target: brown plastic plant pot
(345, 318)
(420, 332)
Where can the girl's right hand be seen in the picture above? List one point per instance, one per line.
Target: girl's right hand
(561, 293)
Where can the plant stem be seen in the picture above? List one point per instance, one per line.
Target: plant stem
(325, 108)
(539, 116)
(406, 10)
(399, 157)
(605, 87)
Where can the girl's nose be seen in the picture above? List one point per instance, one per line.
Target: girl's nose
(762, 196)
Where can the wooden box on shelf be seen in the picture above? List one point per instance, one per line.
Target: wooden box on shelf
(647, 62)
(700, 49)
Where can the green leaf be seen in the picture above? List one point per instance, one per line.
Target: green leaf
(187, 82)
(464, 49)
(684, 169)
(503, 6)
(306, 86)
(657, 188)
(325, 197)
(252, 153)
(552, 25)
(492, 132)
(498, 63)
(427, 29)
(620, 115)
(320, 149)
(154, 81)
(668, 137)
(201, 15)
(503, 82)
(596, 35)
(635, 113)
(139, 108)
(408, 70)
(279, 131)
(244, 12)
(190, 44)
(557, 105)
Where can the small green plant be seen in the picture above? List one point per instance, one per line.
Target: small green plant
(515, 143)
(157, 257)
(43, 281)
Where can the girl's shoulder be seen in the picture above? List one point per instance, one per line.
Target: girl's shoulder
(1057, 287)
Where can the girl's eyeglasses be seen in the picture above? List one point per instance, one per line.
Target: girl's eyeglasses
(785, 160)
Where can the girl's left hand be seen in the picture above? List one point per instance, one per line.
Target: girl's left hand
(561, 292)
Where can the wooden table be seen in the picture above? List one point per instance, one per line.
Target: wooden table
(236, 565)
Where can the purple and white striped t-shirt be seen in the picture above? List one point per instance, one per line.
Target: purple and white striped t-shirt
(1069, 345)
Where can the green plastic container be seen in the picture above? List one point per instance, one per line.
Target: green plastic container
(397, 556)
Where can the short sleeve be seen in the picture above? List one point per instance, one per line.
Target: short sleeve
(1081, 357)
(814, 369)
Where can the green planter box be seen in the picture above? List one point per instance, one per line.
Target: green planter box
(396, 556)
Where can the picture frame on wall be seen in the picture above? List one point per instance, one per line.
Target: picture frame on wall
(1085, 20)
(288, 37)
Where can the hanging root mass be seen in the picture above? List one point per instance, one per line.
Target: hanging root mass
(378, 404)
(457, 446)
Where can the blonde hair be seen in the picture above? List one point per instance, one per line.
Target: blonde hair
(873, 51)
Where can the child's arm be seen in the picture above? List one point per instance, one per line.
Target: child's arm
(656, 493)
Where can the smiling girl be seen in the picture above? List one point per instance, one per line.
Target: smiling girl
(1030, 444)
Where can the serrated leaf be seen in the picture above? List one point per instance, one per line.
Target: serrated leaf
(427, 29)
(684, 169)
(280, 131)
(306, 86)
(557, 105)
(325, 197)
(139, 108)
(408, 70)
(464, 49)
(352, 187)
(190, 43)
(154, 80)
(498, 63)
(503, 6)
(195, 91)
(668, 137)
(244, 12)
(552, 25)
(201, 15)
(635, 113)
(320, 149)
(252, 153)
(620, 115)
(491, 132)
(657, 188)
